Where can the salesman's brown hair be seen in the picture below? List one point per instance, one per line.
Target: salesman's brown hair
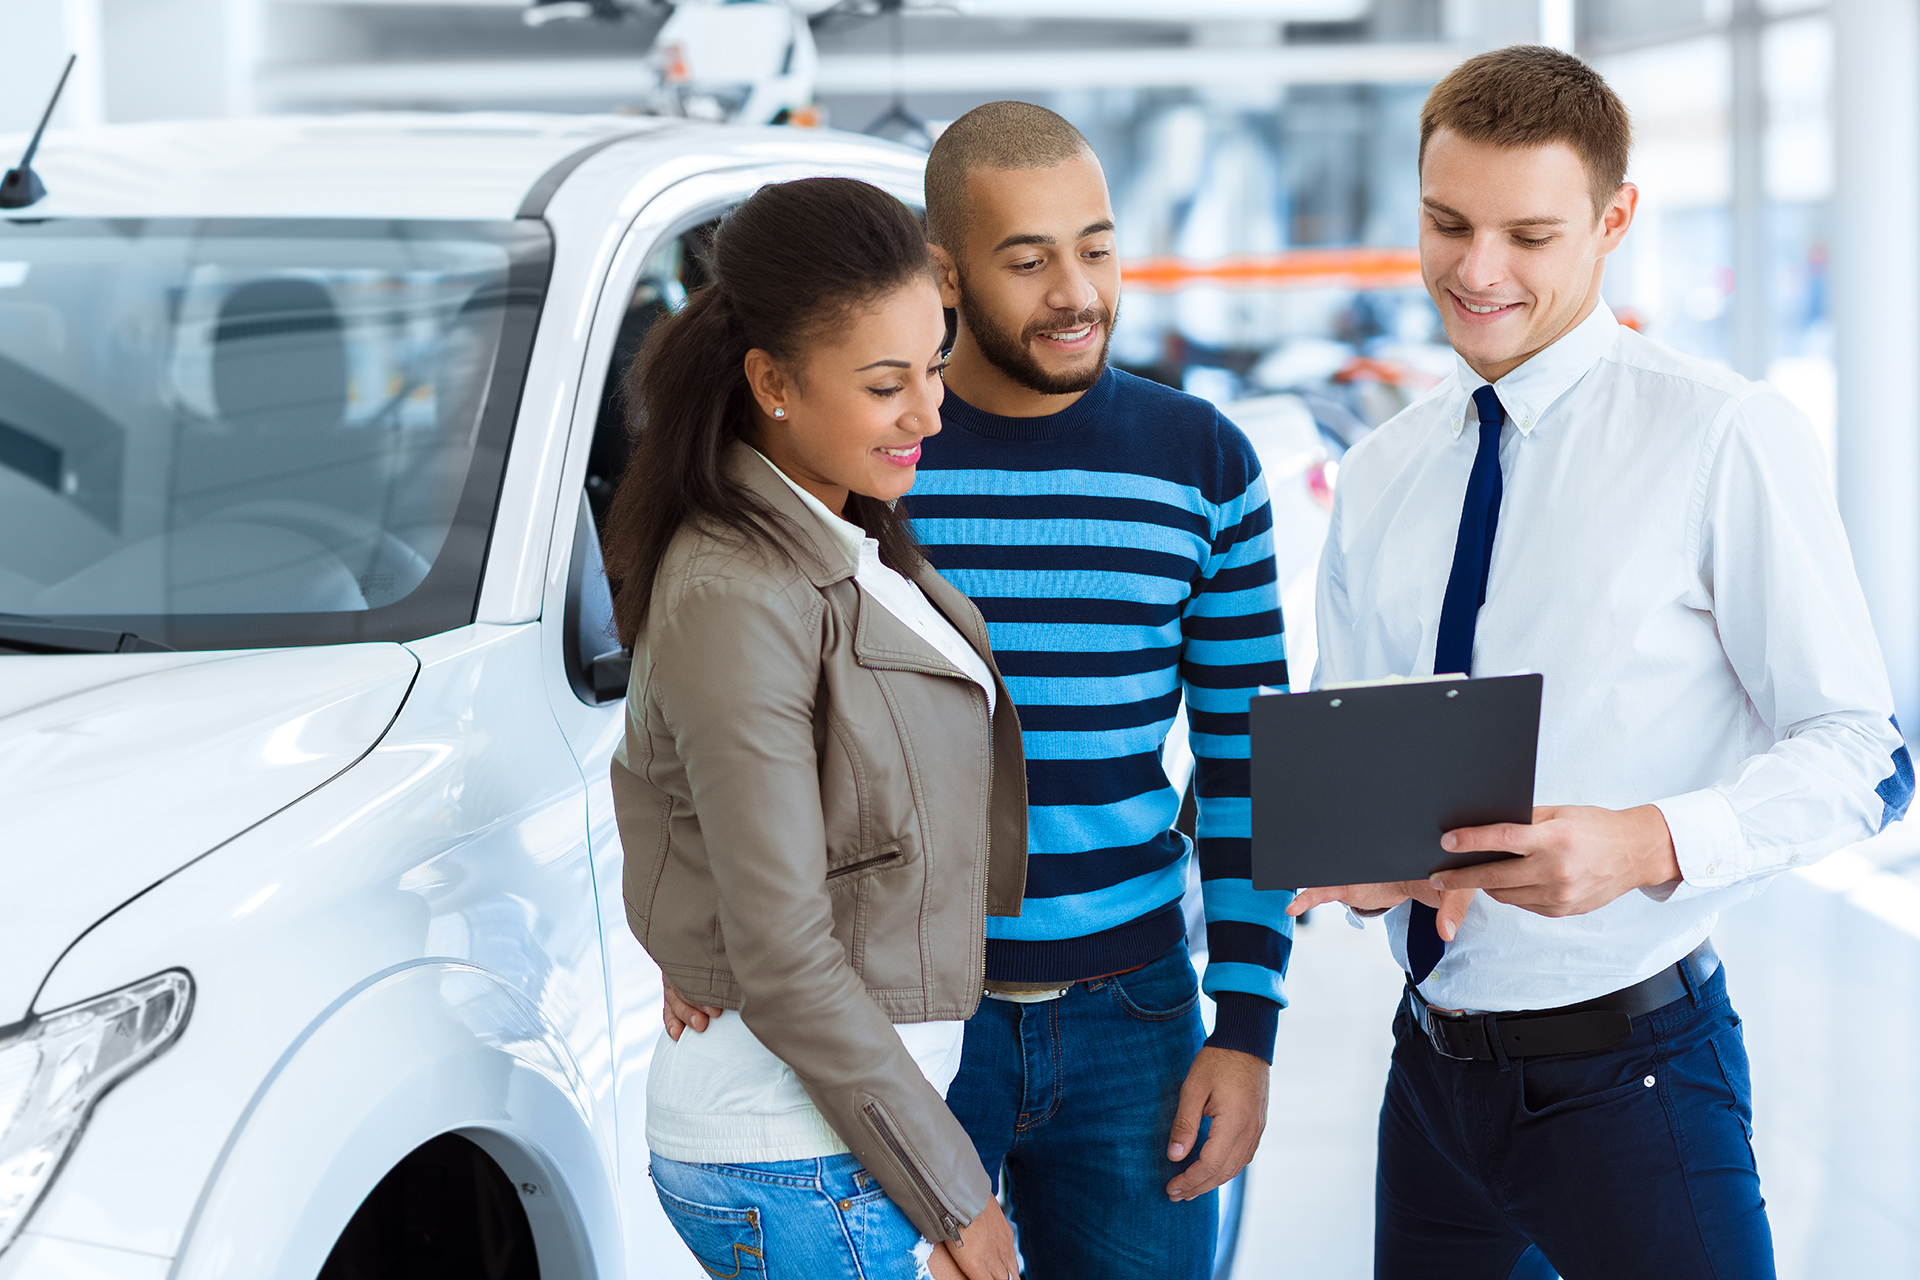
(1532, 96)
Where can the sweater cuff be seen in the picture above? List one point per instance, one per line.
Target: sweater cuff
(1245, 1022)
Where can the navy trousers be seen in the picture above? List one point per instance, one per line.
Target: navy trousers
(1630, 1163)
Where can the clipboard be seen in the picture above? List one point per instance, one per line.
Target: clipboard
(1355, 785)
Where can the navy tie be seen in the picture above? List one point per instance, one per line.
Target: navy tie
(1459, 610)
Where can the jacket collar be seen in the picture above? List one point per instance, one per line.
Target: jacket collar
(1529, 391)
(822, 560)
(825, 559)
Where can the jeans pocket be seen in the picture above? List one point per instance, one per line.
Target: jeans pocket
(726, 1242)
(1556, 1084)
(1161, 991)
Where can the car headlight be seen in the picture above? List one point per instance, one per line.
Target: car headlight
(54, 1068)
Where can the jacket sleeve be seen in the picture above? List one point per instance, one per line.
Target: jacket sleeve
(1776, 572)
(736, 681)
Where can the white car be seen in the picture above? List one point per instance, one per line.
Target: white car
(313, 959)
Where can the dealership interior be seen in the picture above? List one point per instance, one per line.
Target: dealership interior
(1262, 162)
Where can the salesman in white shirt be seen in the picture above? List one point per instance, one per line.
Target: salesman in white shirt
(1657, 536)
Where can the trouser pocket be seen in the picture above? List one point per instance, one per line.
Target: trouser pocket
(727, 1242)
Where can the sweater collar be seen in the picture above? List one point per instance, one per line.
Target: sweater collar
(955, 412)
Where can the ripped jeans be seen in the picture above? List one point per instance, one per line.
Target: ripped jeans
(823, 1219)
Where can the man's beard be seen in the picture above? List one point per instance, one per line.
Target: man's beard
(1012, 354)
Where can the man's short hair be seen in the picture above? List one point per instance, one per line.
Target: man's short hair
(1532, 96)
(999, 135)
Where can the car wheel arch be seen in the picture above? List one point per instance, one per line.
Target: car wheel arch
(422, 1049)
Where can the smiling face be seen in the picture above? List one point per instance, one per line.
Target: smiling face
(1037, 286)
(856, 404)
(1509, 246)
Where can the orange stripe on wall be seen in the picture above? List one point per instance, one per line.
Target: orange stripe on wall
(1291, 269)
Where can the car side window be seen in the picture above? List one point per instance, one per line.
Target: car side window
(597, 666)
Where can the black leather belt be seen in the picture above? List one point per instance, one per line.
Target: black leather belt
(1575, 1028)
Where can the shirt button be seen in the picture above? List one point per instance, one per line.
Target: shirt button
(1527, 423)
(1713, 869)
(1793, 857)
(1648, 1082)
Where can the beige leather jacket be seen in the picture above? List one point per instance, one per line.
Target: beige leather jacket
(817, 812)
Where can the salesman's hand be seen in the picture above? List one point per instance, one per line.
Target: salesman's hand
(1451, 904)
(984, 1250)
(1573, 858)
(1231, 1088)
(679, 1015)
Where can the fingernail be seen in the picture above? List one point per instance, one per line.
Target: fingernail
(1175, 1195)
(1436, 883)
(1176, 1151)
(1447, 841)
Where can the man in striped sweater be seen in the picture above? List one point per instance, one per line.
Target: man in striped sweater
(1117, 537)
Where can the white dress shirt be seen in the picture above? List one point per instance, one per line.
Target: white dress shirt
(721, 1096)
(1669, 557)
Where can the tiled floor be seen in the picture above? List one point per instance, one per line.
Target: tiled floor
(1825, 969)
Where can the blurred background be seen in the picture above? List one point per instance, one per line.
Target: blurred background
(1261, 155)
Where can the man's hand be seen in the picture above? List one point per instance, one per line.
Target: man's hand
(1230, 1087)
(984, 1250)
(1452, 904)
(1573, 859)
(679, 1015)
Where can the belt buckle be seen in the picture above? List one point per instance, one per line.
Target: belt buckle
(1435, 1027)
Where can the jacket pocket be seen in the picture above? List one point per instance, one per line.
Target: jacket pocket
(875, 862)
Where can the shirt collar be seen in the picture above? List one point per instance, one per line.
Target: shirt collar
(846, 535)
(1527, 392)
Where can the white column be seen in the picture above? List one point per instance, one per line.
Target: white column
(1876, 307)
(1746, 136)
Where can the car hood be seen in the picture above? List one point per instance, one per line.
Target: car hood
(118, 769)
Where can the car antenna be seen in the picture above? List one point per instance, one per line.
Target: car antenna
(22, 186)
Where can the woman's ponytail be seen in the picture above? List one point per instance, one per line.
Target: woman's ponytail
(785, 265)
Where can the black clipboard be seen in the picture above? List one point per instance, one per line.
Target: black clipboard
(1356, 785)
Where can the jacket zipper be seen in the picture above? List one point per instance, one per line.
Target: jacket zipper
(948, 1223)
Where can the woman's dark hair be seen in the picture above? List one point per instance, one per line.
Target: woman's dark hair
(785, 266)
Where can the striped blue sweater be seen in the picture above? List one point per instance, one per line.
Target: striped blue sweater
(1122, 554)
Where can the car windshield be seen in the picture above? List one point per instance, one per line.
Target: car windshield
(219, 434)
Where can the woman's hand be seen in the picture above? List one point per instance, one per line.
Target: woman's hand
(941, 1266)
(984, 1250)
(678, 1015)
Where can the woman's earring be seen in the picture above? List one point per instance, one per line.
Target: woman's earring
(779, 413)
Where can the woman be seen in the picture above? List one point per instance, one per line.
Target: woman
(819, 756)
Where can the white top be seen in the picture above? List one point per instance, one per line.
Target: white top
(720, 1095)
(1669, 556)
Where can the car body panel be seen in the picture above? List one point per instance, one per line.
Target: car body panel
(164, 765)
(41, 1257)
(429, 1048)
(459, 838)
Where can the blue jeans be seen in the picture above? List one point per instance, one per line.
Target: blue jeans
(825, 1219)
(1077, 1096)
(1629, 1163)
